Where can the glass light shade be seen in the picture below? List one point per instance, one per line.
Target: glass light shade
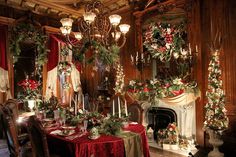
(115, 19)
(89, 17)
(118, 34)
(124, 28)
(66, 22)
(65, 30)
(78, 35)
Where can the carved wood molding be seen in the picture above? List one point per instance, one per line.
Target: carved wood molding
(161, 7)
(6, 20)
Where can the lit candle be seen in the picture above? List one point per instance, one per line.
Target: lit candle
(83, 101)
(76, 102)
(136, 59)
(142, 56)
(190, 51)
(196, 48)
(119, 107)
(70, 101)
(113, 108)
(126, 111)
(132, 58)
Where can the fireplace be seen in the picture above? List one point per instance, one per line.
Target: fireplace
(183, 115)
(159, 118)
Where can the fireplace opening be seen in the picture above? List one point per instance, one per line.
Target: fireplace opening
(159, 118)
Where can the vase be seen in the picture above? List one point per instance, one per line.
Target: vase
(31, 104)
(216, 141)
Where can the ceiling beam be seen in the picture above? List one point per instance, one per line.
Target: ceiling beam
(58, 7)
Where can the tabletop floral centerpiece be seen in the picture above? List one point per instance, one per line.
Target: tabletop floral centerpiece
(111, 125)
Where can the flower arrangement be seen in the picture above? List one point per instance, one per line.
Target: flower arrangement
(163, 40)
(64, 68)
(169, 135)
(30, 88)
(111, 125)
(119, 84)
(162, 88)
(172, 133)
(161, 135)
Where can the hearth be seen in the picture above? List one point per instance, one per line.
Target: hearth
(159, 118)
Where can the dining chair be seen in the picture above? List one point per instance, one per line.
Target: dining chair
(12, 106)
(135, 111)
(9, 128)
(38, 138)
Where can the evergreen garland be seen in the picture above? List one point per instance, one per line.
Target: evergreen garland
(26, 31)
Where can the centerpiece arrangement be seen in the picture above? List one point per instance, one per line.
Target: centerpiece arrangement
(30, 92)
(168, 137)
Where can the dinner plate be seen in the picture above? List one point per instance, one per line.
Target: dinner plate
(93, 137)
(68, 127)
(66, 134)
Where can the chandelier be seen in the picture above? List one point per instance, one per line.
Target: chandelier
(96, 26)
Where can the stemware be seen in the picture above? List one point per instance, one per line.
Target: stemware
(85, 125)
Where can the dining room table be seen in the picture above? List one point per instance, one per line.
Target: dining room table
(130, 142)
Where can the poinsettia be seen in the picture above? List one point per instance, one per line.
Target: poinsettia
(30, 88)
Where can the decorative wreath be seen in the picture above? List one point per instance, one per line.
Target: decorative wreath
(28, 32)
(164, 40)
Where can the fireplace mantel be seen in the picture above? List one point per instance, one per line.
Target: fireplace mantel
(183, 105)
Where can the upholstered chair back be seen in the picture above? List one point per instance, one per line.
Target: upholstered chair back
(10, 131)
(38, 138)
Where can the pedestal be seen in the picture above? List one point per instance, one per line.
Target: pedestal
(216, 141)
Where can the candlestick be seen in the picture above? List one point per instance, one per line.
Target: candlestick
(119, 107)
(196, 48)
(136, 59)
(76, 102)
(190, 51)
(126, 111)
(113, 108)
(83, 101)
(132, 58)
(70, 101)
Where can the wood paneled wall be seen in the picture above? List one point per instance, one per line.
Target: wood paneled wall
(218, 15)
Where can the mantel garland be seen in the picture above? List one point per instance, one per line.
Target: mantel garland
(163, 40)
(28, 32)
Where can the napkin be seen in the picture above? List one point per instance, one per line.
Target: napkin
(133, 123)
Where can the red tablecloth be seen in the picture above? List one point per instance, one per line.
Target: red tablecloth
(105, 146)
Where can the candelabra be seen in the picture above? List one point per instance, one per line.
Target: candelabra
(140, 60)
(95, 26)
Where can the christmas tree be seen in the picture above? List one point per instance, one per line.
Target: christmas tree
(215, 117)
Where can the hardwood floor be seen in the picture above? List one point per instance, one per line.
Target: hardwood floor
(154, 152)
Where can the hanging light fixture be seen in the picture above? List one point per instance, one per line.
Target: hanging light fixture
(95, 26)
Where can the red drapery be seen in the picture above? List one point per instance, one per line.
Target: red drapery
(3, 55)
(53, 54)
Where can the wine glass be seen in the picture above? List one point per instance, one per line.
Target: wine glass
(85, 125)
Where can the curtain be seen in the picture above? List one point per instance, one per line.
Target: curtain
(54, 58)
(4, 79)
